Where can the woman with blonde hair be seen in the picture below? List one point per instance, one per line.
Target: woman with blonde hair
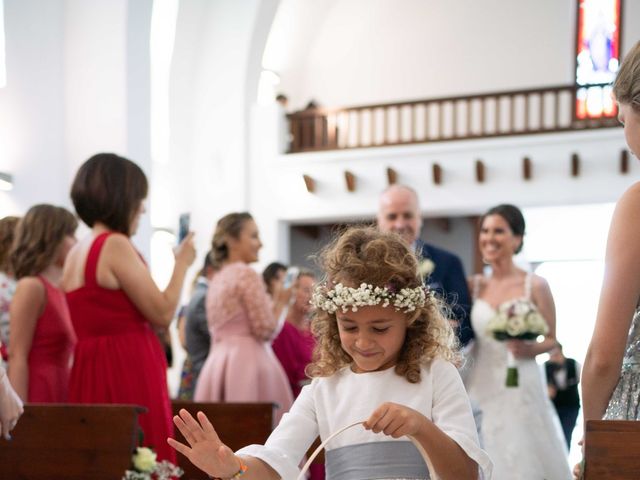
(241, 366)
(42, 338)
(611, 372)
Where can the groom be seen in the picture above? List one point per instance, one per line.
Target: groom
(399, 212)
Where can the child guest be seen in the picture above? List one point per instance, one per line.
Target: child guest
(384, 356)
(42, 338)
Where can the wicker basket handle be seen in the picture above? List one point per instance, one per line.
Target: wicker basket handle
(303, 472)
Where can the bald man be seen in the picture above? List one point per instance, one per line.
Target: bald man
(399, 212)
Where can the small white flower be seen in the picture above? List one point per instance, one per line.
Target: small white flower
(426, 267)
(347, 298)
(144, 460)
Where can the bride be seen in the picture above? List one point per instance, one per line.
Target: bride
(520, 428)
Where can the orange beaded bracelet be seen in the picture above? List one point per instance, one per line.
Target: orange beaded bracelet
(238, 474)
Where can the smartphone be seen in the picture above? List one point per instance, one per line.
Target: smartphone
(290, 277)
(183, 226)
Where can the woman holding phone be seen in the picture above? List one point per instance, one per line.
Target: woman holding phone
(114, 303)
(241, 366)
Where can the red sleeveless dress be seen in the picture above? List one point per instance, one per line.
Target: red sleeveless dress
(118, 358)
(51, 349)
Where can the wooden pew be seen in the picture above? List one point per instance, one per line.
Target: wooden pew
(72, 442)
(238, 424)
(612, 450)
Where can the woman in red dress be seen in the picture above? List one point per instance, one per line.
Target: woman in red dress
(41, 336)
(115, 304)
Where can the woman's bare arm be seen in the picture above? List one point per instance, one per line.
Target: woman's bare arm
(120, 259)
(618, 300)
(26, 307)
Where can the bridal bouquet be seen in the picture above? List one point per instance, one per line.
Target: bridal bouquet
(145, 467)
(517, 319)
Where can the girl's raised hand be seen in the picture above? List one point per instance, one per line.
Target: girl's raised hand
(395, 420)
(205, 449)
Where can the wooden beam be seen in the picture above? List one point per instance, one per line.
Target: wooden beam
(436, 173)
(392, 176)
(575, 165)
(350, 180)
(624, 162)
(526, 168)
(310, 183)
(480, 171)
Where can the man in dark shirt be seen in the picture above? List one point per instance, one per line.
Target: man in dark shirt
(563, 376)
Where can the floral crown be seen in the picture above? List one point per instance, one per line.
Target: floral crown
(348, 298)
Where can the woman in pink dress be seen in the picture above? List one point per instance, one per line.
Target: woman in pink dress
(241, 366)
(115, 304)
(41, 335)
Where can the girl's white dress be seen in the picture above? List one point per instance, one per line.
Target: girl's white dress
(330, 403)
(520, 428)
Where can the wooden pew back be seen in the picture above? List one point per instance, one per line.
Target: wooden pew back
(72, 442)
(237, 424)
(612, 450)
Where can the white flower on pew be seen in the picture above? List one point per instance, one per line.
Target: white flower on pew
(144, 459)
(147, 468)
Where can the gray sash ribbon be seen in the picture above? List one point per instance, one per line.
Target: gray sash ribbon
(375, 460)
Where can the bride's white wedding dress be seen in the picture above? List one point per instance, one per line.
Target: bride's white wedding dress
(520, 428)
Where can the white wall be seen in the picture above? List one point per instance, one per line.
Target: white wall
(32, 133)
(281, 195)
(214, 81)
(352, 52)
(106, 91)
(77, 85)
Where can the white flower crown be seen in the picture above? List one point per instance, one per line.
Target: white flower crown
(348, 298)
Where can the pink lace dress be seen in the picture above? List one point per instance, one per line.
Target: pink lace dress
(241, 366)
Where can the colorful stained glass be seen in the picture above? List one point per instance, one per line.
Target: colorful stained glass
(597, 56)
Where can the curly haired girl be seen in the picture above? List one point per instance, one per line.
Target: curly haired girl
(384, 357)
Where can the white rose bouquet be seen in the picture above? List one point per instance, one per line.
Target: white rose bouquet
(145, 467)
(518, 319)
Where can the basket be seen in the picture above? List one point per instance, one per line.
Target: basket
(305, 469)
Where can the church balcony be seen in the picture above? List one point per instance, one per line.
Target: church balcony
(566, 108)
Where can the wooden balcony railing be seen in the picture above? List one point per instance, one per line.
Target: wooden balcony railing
(497, 114)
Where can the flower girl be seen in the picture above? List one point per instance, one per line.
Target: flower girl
(384, 359)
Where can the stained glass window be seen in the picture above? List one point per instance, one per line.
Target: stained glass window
(597, 56)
